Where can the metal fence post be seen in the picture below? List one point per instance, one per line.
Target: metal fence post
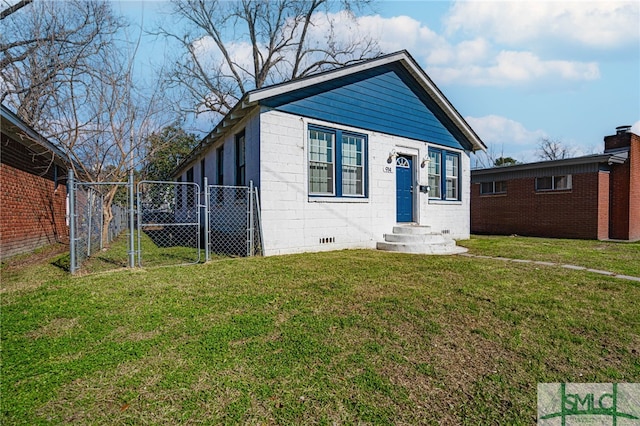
(131, 222)
(259, 217)
(89, 227)
(102, 222)
(72, 223)
(251, 224)
(206, 219)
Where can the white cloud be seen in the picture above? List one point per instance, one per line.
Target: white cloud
(635, 128)
(510, 67)
(505, 137)
(599, 24)
(473, 61)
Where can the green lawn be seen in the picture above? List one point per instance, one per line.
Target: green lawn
(619, 257)
(341, 337)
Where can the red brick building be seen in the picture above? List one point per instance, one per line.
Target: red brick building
(589, 197)
(32, 192)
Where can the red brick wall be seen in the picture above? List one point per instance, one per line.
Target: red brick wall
(603, 205)
(619, 209)
(575, 213)
(634, 188)
(625, 188)
(32, 214)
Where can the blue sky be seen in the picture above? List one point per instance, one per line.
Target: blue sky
(516, 70)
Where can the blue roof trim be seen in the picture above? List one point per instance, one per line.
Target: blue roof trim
(385, 99)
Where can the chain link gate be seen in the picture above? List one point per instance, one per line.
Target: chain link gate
(171, 230)
(88, 234)
(234, 220)
(168, 223)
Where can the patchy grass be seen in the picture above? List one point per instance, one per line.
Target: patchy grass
(619, 257)
(340, 337)
(116, 256)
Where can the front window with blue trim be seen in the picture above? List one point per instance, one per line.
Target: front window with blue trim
(444, 175)
(336, 163)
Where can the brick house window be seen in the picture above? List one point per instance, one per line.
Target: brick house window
(553, 183)
(495, 187)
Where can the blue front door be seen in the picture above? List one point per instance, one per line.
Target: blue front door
(404, 189)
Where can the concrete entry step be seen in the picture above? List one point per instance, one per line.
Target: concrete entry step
(418, 239)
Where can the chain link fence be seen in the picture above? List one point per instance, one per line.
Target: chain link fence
(234, 221)
(167, 223)
(88, 232)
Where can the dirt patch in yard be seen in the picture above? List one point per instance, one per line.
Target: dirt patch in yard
(40, 256)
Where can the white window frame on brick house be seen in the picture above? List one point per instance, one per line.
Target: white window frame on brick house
(554, 183)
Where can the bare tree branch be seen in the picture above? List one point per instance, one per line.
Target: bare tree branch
(229, 48)
(10, 10)
(553, 149)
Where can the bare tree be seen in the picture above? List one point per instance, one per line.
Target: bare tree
(553, 149)
(492, 158)
(42, 44)
(231, 47)
(106, 120)
(68, 72)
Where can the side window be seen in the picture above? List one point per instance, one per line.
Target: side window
(191, 198)
(202, 175)
(240, 159)
(220, 166)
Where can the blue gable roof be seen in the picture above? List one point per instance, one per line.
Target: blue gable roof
(390, 94)
(385, 99)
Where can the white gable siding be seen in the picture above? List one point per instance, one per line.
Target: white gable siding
(294, 222)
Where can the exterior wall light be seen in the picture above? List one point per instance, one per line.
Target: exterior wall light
(392, 156)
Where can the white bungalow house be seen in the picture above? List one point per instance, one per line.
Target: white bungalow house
(348, 158)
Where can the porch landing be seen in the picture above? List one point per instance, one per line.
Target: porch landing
(420, 240)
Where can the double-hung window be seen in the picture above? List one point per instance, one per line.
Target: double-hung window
(336, 163)
(495, 187)
(553, 183)
(321, 162)
(444, 174)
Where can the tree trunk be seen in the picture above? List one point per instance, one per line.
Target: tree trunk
(107, 213)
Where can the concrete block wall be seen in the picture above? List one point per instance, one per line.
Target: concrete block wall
(32, 212)
(294, 222)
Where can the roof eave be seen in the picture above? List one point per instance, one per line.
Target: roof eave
(241, 109)
(19, 130)
(617, 158)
